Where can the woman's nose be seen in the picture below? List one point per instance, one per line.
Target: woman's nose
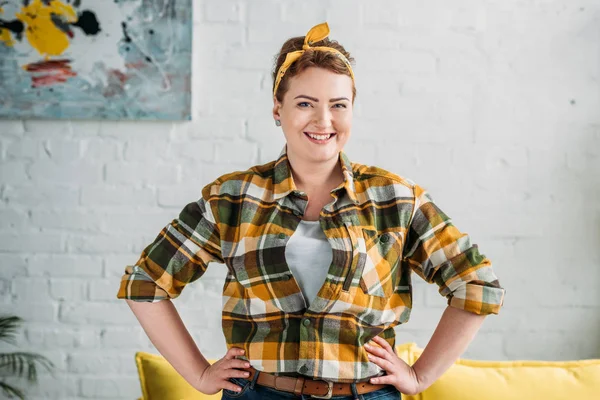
(322, 118)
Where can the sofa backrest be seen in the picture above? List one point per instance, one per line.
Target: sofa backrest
(465, 380)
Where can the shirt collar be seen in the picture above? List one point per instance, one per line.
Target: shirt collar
(283, 182)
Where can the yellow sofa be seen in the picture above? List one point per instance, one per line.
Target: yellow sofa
(465, 380)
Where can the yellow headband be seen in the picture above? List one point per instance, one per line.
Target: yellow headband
(316, 33)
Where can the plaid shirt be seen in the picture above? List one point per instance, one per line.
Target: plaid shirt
(381, 228)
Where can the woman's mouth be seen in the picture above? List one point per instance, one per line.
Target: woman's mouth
(319, 138)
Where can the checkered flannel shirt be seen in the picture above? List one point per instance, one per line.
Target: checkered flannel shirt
(381, 227)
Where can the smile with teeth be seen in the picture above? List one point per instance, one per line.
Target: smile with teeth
(320, 136)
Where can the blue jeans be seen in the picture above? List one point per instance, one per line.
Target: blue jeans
(253, 391)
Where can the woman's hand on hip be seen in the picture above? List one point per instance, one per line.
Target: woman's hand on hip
(216, 376)
(399, 374)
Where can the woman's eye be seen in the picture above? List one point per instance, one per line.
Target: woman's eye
(303, 104)
(340, 105)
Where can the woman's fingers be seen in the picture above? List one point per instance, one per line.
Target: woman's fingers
(383, 343)
(236, 364)
(232, 367)
(378, 351)
(383, 380)
(237, 373)
(382, 362)
(233, 352)
(231, 386)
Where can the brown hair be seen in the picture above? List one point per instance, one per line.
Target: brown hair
(310, 58)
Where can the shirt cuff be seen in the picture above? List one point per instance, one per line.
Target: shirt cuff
(138, 286)
(478, 299)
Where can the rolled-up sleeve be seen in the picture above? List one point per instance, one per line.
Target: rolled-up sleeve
(180, 254)
(439, 253)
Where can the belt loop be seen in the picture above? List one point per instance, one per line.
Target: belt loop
(355, 392)
(254, 379)
(299, 389)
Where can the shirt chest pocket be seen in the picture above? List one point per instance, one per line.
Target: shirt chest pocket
(259, 267)
(377, 263)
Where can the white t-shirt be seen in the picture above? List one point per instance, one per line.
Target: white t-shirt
(308, 255)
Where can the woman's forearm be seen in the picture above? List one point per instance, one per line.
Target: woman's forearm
(169, 335)
(454, 332)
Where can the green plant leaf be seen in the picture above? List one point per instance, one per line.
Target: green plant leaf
(23, 365)
(8, 328)
(12, 391)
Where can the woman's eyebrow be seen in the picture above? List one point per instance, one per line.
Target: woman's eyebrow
(306, 97)
(317, 100)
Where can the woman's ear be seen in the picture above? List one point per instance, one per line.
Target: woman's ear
(276, 108)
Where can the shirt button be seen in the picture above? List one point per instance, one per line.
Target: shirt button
(385, 238)
(286, 277)
(296, 213)
(281, 236)
(306, 322)
(303, 369)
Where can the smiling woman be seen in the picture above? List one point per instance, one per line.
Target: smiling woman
(316, 117)
(313, 97)
(320, 253)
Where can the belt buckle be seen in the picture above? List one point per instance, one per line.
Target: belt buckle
(329, 391)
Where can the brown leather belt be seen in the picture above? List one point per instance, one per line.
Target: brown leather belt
(310, 387)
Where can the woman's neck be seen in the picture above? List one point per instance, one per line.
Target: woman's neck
(316, 176)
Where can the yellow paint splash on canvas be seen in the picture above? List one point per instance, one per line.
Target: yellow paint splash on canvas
(40, 31)
(5, 34)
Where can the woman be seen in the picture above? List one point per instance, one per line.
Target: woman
(319, 253)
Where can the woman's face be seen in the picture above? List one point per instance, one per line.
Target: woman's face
(318, 103)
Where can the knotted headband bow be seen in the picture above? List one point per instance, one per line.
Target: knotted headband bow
(316, 33)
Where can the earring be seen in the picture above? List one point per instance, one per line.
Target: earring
(277, 122)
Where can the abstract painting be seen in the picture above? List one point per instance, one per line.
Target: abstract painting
(96, 59)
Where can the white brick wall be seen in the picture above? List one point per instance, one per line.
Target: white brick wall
(493, 106)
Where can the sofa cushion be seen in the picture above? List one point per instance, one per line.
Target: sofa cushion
(160, 381)
(465, 380)
(515, 380)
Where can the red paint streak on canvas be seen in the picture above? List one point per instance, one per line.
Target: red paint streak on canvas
(116, 83)
(136, 65)
(47, 73)
(119, 75)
